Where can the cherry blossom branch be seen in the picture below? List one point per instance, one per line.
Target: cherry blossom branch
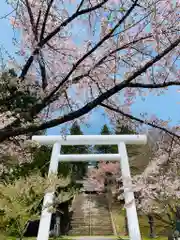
(113, 90)
(37, 24)
(67, 21)
(126, 45)
(31, 17)
(107, 36)
(138, 119)
(152, 85)
(10, 132)
(54, 32)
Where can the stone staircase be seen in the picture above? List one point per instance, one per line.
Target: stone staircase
(91, 216)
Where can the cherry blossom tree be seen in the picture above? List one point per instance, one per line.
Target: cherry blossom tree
(158, 186)
(79, 55)
(15, 150)
(102, 173)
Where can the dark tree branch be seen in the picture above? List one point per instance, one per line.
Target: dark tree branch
(45, 20)
(28, 65)
(161, 219)
(139, 120)
(31, 17)
(43, 70)
(152, 85)
(101, 61)
(37, 24)
(80, 5)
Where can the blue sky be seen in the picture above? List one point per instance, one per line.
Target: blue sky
(164, 106)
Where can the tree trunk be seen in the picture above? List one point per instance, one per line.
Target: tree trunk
(152, 233)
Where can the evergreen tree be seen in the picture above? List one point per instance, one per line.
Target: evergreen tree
(80, 149)
(123, 129)
(78, 169)
(105, 148)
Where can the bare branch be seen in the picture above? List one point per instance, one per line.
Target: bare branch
(7, 15)
(80, 5)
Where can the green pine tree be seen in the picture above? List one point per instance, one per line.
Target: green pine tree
(78, 169)
(123, 129)
(105, 148)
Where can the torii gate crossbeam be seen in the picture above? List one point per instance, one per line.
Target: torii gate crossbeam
(56, 157)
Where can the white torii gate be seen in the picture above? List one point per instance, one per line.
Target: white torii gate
(56, 157)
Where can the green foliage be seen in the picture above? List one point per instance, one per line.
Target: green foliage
(75, 130)
(20, 199)
(120, 129)
(40, 162)
(123, 129)
(12, 97)
(78, 169)
(105, 148)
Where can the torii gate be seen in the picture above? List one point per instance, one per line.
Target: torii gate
(56, 157)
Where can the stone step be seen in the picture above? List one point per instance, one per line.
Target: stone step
(78, 233)
(76, 226)
(92, 226)
(88, 232)
(102, 220)
(101, 233)
(76, 215)
(90, 217)
(93, 223)
(96, 233)
(91, 220)
(97, 214)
